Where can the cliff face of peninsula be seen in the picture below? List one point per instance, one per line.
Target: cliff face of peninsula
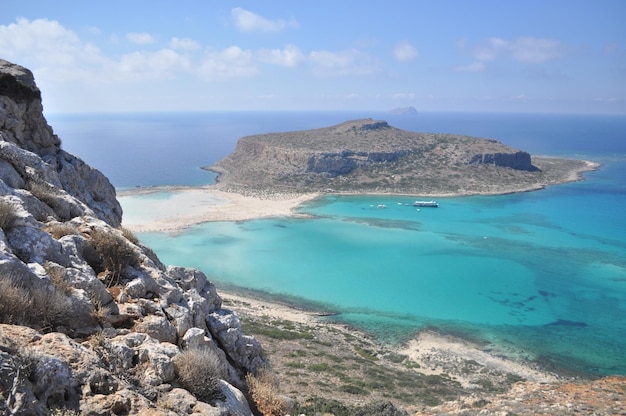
(370, 156)
(90, 319)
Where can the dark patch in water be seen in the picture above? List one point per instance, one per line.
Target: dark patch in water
(280, 226)
(546, 294)
(388, 223)
(565, 322)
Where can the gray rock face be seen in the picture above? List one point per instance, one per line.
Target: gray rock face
(90, 319)
(31, 157)
(517, 160)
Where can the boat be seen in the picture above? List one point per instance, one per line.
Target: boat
(432, 204)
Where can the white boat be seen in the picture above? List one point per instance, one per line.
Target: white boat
(432, 204)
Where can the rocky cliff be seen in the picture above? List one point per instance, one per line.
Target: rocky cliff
(90, 319)
(370, 156)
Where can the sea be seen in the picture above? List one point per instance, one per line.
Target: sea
(539, 276)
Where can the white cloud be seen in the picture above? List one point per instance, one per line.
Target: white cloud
(160, 64)
(247, 21)
(49, 49)
(232, 62)
(290, 56)
(184, 44)
(349, 62)
(140, 38)
(405, 52)
(524, 49)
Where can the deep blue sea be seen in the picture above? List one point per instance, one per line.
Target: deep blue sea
(541, 274)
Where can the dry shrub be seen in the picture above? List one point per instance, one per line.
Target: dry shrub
(24, 302)
(14, 301)
(199, 370)
(57, 277)
(114, 253)
(8, 215)
(129, 235)
(58, 230)
(263, 388)
(99, 312)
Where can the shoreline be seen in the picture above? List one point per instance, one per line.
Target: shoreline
(435, 352)
(429, 352)
(173, 209)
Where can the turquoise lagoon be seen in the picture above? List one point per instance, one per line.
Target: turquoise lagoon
(542, 273)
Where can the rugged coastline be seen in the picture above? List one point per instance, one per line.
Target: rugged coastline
(92, 322)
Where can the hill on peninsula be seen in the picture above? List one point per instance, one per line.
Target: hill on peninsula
(370, 156)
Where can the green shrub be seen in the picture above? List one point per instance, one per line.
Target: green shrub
(199, 370)
(352, 389)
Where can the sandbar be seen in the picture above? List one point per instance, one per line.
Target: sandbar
(175, 208)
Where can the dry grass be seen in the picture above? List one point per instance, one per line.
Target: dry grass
(8, 215)
(24, 302)
(263, 388)
(114, 253)
(58, 230)
(199, 370)
(129, 235)
(57, 277)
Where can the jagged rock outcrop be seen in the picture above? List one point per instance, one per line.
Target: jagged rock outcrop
(90, 319)
(370, 156)
(31, 156)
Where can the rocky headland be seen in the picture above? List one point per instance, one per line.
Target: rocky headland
(370, 156)
(91, 321)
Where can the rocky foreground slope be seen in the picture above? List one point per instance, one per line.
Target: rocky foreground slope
(370, 156)
(90, 319)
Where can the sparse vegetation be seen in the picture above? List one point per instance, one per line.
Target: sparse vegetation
(199, 370)
(57, 277)
(113, 253)
(8, 215)
(58, 230)
(32, 303)
(263, 389)
(129, 235)
(274, 332)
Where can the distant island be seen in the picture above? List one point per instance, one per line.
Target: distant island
(404, 111)
(370, 156)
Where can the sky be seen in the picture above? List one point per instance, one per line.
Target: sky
(540, 56)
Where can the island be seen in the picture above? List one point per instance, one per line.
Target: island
(371, 157)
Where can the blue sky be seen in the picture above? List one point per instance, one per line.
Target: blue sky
(439, 55)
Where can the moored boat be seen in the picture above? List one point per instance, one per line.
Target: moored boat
(432, 204)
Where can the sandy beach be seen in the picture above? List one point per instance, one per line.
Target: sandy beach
(172, 209)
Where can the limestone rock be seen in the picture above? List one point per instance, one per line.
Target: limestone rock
(90, 319)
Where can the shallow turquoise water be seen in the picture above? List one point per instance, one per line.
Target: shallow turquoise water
(543, 271)
(549, 278)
